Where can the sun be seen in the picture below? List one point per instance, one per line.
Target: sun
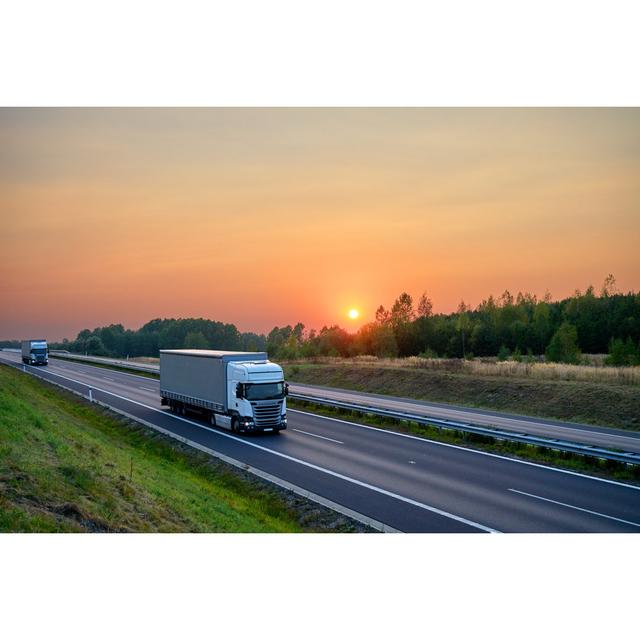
(353, 314)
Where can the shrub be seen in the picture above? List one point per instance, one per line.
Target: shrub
(622, 353)
(564, 345)
(503, 353)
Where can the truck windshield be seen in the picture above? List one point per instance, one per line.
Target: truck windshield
(39, 352)
(266, 391)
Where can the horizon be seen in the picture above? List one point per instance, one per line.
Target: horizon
(255, 216)
(597, 292)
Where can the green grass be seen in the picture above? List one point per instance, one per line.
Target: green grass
(603, 404)
(533, 453)
(66, 465)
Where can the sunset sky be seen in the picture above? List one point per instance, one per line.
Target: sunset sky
(264, 217)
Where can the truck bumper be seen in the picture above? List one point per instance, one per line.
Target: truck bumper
(253, 428)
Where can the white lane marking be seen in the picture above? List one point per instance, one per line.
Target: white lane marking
(315, 435)
(570, 506)
(335, 474)
(475, 451)
(147, 389)
(107, 378)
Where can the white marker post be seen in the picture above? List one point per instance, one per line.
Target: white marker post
(90, 394)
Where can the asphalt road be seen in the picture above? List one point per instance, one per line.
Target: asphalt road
(584, 434)
(604, 437)
(409, 483)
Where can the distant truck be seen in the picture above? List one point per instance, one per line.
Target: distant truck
(35, 352)
(242, 392)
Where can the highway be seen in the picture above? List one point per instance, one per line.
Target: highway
(408, 483)
(605, 437)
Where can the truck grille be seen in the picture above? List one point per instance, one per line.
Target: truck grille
(267, 415)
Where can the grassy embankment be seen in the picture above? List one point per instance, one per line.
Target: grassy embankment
(66, 465)
(582, 394)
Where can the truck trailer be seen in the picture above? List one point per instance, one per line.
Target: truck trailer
(35, 352)
(242, 392)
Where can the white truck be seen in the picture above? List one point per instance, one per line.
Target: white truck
(243, 392)
(35, 352)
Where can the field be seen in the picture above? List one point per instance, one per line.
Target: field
(66, 465)
(589, 394)
(594, 371)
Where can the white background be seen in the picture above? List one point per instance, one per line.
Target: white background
(319, 53)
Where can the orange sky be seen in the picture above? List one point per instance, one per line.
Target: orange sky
(272, 216)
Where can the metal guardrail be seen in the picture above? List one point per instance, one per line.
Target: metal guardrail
(124, 364)
(498, 434)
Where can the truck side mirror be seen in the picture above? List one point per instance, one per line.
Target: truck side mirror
(239, 391)
(286, 389)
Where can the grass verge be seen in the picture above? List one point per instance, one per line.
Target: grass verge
(565, 460)
(67, 465)
(602, 404)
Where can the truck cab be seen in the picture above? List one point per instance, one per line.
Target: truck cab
(257, 392)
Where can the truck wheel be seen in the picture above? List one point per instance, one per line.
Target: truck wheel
(212, 419)
(235, 427)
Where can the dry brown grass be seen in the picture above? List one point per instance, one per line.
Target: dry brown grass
(594, 372)
(144, 360)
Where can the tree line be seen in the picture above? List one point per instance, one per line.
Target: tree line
(517, 327)
(167, 333)
(507, 326)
